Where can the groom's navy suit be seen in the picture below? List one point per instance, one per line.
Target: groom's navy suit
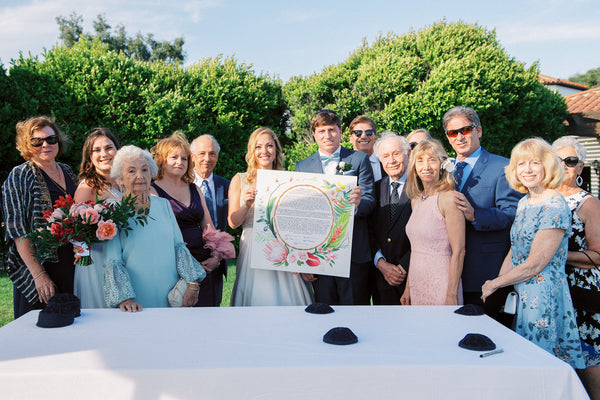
(353, 290)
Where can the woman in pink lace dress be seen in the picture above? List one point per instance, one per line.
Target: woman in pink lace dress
(436, 229)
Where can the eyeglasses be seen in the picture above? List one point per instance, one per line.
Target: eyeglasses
(571, 161)
(368, 132)
(37, 142)
(465, 130)
(413, 145)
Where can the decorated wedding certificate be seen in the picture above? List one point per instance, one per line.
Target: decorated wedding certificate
(303, 222)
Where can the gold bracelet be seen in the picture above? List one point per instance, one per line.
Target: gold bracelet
(38, 275)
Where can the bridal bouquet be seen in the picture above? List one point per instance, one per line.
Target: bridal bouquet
(83, 224)
(218, 242)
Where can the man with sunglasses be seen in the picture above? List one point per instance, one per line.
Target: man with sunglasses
(489, 204)
(363, 134)
(332, 158)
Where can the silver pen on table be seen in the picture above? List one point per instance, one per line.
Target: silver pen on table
(491, 353)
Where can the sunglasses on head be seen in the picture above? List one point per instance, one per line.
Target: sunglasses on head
(37, 142)
(571, 161)
(465, 130)
(368, 132)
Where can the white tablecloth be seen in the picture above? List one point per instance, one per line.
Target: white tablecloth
(274, 353)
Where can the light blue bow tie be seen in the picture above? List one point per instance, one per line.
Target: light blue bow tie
(335, 157)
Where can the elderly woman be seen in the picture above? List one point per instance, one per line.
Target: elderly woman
(583, 259)
(142, 265)
(95, 183)
(259, 287)
(175, 182)
(436, 229)
(535, 264)
(30, 189)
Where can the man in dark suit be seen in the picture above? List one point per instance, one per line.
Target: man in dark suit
(205, 154)
(363, 134)
(389, 243)
(327, 131)
(484, 196)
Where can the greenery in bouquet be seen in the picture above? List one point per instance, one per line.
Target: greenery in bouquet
(83, 224)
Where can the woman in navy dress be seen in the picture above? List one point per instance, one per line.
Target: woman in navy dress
(175, 182)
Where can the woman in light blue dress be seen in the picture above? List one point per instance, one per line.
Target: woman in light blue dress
(535, 265)
(142, 265)
(95, 183)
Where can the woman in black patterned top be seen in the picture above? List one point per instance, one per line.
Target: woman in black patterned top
(30, 189)
(583, 259)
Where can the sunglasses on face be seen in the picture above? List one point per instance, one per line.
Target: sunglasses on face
(413, 145)
(37, 142)
(571, 161)
(368, 132)
(465, 130)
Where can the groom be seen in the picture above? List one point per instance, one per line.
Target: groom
(331, 159)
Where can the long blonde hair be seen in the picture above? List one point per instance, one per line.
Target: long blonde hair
(414, 185)
(251, 160)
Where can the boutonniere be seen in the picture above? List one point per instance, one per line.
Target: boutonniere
(342, 167)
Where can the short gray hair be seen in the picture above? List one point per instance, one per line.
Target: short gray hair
(388, 135)
(567, 141)
(194, 143)
(130, 153)
(420, 130)
(461, 111)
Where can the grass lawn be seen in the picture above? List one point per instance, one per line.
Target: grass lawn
(6, 294)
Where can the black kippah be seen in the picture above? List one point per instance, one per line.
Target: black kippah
(469, 309)
(319, 308)
(477, 342)
(340, 336)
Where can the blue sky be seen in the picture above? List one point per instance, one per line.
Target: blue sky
(292, 38)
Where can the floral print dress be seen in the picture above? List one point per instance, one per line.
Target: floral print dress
(589, 322)
(545, 314)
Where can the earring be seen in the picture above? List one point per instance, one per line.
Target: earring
(579, 180)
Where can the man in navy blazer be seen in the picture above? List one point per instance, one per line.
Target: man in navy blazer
(387, 226)
(484, 196)
(205, 154)
(327, 131)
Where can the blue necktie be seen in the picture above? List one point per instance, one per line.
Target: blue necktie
(459, 168)
(209, 200)
(327, 159)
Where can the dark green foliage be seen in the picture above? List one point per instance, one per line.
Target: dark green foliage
(88, 85)
(139, 47)
(590, 78)
(408, 82)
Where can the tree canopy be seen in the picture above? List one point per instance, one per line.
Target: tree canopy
(590, 78)
(138, 47)
(409, 81)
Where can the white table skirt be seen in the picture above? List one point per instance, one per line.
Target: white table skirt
(274, 353)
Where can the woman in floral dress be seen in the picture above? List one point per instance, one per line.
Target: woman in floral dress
(535, 264)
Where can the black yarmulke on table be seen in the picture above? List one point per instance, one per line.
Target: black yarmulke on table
(477, 342)
(61, 310)
(319, 308)
(340, 336)
(470, 309)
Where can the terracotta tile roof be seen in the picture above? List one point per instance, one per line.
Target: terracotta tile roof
(584, 102)
(548, 80)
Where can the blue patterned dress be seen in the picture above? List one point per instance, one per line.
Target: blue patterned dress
(545, 314)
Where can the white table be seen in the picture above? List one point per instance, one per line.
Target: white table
(274, 353)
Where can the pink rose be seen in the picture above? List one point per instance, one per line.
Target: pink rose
(275, 251)
(292, 258)
(303, 256)
(99, 208)
(89, 216)
(56, 214)
(106, 230)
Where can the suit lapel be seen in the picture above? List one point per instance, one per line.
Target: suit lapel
(477, 170)
(315, 165)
